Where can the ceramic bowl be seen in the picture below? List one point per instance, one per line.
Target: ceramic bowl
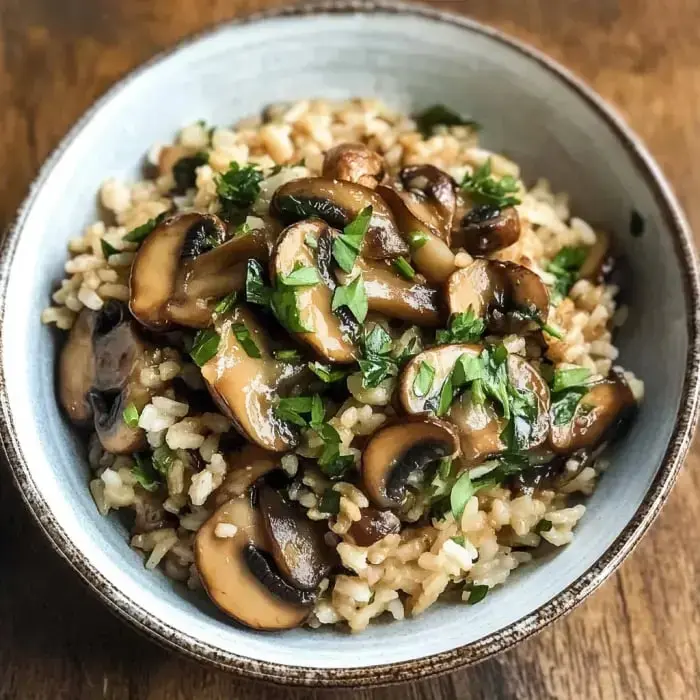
(534, 110)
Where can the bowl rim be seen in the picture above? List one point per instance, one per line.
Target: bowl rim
(500, 640)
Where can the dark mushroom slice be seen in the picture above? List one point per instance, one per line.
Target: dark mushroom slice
(373, 526)
(239, 578)
(486, 229)
(430, 254)
(510, 297)
(331, 334)
(440, 361)
(245, 467)
(297, 544)
(435, 195)
(354, 162)
(185, 265)
(338, 203)
(479, 427)
(599, 412)
(528, 381)
(398, 455)
(246, 388)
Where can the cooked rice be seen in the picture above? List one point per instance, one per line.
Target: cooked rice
(401, 574)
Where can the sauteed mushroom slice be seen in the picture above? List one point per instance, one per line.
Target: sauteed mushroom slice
(373, 526)
(296, 543)
(354, 162)
(429, 252)
(338, 203)
(603, 407)
(246, 387)
(330, 335)
(245, 467)
(596, 258)
(486, 229)
(479, 427)
(185, 265)
(399, 454)
(238, 575)
(525, 379)
(435, 196)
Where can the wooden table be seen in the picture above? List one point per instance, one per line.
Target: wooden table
(637, 637)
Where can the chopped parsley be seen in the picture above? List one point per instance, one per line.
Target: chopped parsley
(329, 502)
(327, 373)
(226, 304)
(287, 355)
(424, 380)
(402, 266)
(206, 344)
(376, 362)
(439, 115)
(347, 245)
(131, 416)
(185, 171)
(566, 378)
(476, 593)
(238, 188)
(256, 291)
(140, 233)
(242, 229)
(568, 387)
(565, 267)
(294, 410)
(543, 526)
(353, 296)
(285, 305)
(163, 458)
(300, 277)
(417, 239)
(461, 494)
(446, 397)
(464, 327)
(483, 188)
(107, 249)
(245, 340)
(144, 473)
(467, 369)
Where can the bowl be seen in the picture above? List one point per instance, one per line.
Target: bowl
(411, 57)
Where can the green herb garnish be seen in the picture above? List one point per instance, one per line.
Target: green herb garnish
(439, 115)
(300, 277)
(140, 233)
(446, 397)
(285, 305)
(107, 249)
(327, 373)
(464, 327)
(543, 526)
(329, 502)
(163, 458)
(402, 266)
(483, 188)
(460, 495)
(467, 369)
(131, 416)
(376, 362)
(185, 171)
(256, 291)
(566, 378)
(565, 267)
(238, 188)
(347, 245)
(245, 340)
(424, 380)
(417, 239)
(353, 296)
(226, 304)
(287, 355)
(294, 409)
(568, 387)
(144, 473)
(206, 344)
(477, 594)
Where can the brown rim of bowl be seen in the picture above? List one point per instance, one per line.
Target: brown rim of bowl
(497, 641)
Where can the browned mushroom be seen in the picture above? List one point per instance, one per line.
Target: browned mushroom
(434, 196)
(480, 429)
(238, 575)
(297, 544)
(354, 162)
(245, 467)
(185, 265)
(247, 387)
(329, 335)
(373, 526)
(399, 454)
(486, 229)
(603, 407)
(150, 514)
(597, 255)
(338, 203)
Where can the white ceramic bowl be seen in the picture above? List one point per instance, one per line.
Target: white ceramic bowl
(532, 109)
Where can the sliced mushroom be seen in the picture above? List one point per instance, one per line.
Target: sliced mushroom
(150, 514)
(373, 526)
(331, 334)
(596, 258)
(399, 454)
(246, 388)
(479, 427)
(245, 467)
(354, 162)
(441, 360)
(338, 203)
(510, 297)
(296, 543)
(486, 229)
(435, 197)
(431, 254)
(239, 578)
(604, 406)
(185, 265)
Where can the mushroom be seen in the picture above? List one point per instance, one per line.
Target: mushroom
(245, 467)
(296, 543)
(150, 514)
(354, 162)
(338, 203)
(185, 265)
(246, 388)
(99, 375)
(510, 297)
(479, 427)
(603, 407)
(373, 526)
(598, 253)
(486, 229)
(430, 253)
(239, 577)
(525, 379)
(331, 334)
(399, 454)
(435, 197)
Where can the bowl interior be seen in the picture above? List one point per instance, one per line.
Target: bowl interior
(409, 61)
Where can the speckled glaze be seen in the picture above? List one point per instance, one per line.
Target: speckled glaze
(534, 110)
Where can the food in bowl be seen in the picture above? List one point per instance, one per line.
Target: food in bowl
(337, 362)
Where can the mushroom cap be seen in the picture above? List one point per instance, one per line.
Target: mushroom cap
(486, 229)
(373, 526)
(399, 450)
(224, 568)
(245, 467)
(296, 543)
(246, 388)
(330, 337)
(338, 202)
(354, 162)
(479, 428)
(439, 196)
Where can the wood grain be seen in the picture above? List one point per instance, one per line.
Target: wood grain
(637, 637)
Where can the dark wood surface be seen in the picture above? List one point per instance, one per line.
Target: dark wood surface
(637, 637)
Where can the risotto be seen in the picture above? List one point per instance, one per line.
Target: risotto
(337, 362)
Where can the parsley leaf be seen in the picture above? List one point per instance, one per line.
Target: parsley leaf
(477, 594)
(245, 339)
(206, 344)
(294, 409)
(467, 369)
(300, 277)
(565, 267)
(131, 416)
(461, 494)
(446, 396)
(567, 378)
(464, 327)
(483, 188)
(163, 458)
(256, 291)
(353, 296)
(424, 380)
(185, 171)
(238, 188)
(402, 266)
(287, 355)
(327, 373)
(568, 387)
(495, 381)
(439, 115)
(144, 473)
(329, 502)
(226, 304)
(285, 306)
(346, 245)
(376, 363)
(140, 233)
(417, 239)
(107, 249)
